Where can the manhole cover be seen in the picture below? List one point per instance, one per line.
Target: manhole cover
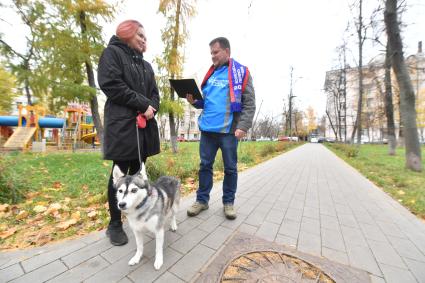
(246, 258)
(270, 266)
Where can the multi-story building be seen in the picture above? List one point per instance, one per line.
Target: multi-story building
(342, 89)
(187, 126)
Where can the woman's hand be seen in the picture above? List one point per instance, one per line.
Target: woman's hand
(149, 113)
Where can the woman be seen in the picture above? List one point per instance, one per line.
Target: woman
(128, 81)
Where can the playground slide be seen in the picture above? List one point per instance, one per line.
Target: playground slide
(43, 122)
(88, 138)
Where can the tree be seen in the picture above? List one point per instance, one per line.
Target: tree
(389, 107)
(7, 84)
(22, 64)
(170, 64)
(72, 44)
(311, 120)
(407, 95)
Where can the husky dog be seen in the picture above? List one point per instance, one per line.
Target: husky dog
(147, 205)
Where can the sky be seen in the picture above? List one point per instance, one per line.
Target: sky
(270, 37)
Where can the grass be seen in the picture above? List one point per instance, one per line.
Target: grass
(46, 197)
(390, 174)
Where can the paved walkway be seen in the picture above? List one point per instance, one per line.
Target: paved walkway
(307, 199)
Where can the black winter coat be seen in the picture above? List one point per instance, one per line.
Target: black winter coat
(128, 81)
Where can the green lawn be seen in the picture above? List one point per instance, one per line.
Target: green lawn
(50, 196)
(389, 173)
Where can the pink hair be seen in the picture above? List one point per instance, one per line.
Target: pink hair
(127, 29)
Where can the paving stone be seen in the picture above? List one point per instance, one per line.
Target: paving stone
(211, 223)
(93, 237)
(217, 237)
(373, 232)
(42, 259)
(376, 279)
(147, 273)
(309, 243)
(168, 277)
(267, 231)
(85, 253)
(188, 266)
(42, 273)
(246, 228)
(335, 255)
(235, 223)
(116, 271)
(385, 253)
(188, 241)
(406, 248)
(11, 272)
(125, 280)
(275, 216)
(353, 237)
(310, 225)
(189, 224)
(329, 222)
(290, 228)
(417, 268)
(362, 258)
(311, 212)
(396, 275)
(347, 220)
(115, 253)
(332, 239)
(391, 229)
(82, 271)
(285, 240)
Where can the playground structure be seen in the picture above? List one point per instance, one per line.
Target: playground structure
(29, 128)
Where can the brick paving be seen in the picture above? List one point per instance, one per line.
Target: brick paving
(307, 199)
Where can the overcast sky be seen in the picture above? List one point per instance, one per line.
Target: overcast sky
(268, 36)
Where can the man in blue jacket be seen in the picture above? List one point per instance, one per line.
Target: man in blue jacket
(228, 110)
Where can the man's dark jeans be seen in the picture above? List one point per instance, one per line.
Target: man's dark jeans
(210, 143)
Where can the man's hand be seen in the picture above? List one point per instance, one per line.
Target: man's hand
(190, 99)
(149, 113)
(240, 134)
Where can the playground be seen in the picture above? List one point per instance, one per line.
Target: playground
(33, 130)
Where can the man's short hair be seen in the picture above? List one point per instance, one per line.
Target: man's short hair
(222, 41)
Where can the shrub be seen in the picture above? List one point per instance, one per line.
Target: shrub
(12, 188)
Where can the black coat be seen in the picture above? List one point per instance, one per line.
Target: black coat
(128, 81)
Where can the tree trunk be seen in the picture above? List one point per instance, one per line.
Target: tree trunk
(173, 56)
(94, 106)
(407, 94)
(360, 100)
(388, 101)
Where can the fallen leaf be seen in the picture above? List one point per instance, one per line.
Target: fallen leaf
(106, 164)
(31, 195)
(66, 224)
(67, 199)
(401, 192)
(92, 214)
(57, 185)
(8, 233)
(39, 208)
(4, 207)
(76, 216)
(22, 215)
(53, 208)
(85, 187)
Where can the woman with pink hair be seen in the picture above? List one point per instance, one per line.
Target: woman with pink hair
(128, 81)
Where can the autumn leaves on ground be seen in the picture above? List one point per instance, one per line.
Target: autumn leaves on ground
(53, 196)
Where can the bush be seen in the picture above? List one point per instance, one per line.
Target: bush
(267, 150)
(12, 188)
(347, 149)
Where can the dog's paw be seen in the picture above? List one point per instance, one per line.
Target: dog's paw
(173, 227)
(134, 260)
(158, 263)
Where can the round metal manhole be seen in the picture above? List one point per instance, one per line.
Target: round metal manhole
(270, 266)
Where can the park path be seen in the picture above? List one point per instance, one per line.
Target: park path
(306, 199)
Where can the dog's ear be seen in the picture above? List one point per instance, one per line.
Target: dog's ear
(117, 174)
(142, 171)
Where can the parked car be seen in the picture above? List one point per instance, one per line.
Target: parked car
(181, 139)
(283, 138)
(314, 139)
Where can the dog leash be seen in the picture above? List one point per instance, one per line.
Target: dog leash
(138, 144)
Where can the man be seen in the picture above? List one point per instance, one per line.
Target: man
(228, 109)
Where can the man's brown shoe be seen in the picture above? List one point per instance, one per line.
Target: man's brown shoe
(196, 208)
(229, 211)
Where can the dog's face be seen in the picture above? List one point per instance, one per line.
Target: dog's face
(131, 190)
